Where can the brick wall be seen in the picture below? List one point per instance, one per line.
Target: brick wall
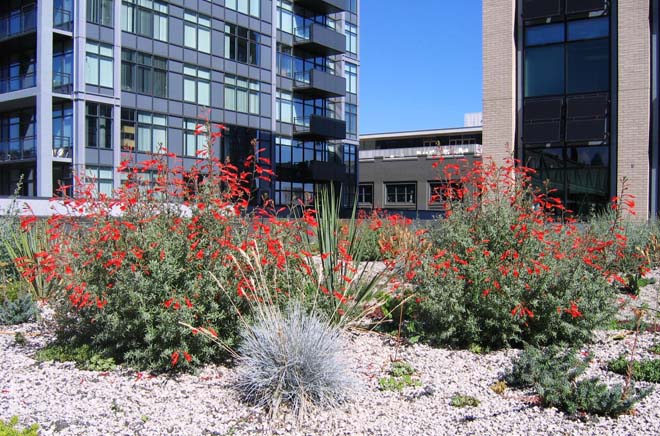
(499, 78)
(634, 99)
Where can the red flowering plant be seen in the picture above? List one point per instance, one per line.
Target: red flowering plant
(632, 250)
(135, 265)
(509, 266)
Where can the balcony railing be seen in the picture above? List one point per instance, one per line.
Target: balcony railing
(319, 127)
(319, 40)
(62, 83)
(17, 148)
(62, 147)
(317, 83)
(17, 83)
(62, 19)
(445, 151)
(18, 22)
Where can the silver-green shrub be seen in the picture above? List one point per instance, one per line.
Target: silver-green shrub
(291, 357)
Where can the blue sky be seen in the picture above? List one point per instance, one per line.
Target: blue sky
(421, 64)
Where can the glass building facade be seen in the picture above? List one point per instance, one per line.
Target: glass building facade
(89, 81)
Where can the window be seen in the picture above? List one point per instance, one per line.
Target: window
(351, 38)
(143, 73)
(197, 85)
(194, 145)
(143, 131)
(546, 34)
(351, 121)
(62, 66)
(17, 71)
(293, 193)
(366, 194)
(402, 194)
(285, 16)
(283, 150)
(351, 78)
(17, 135)
(102, 176)
(351, 6)
(571, 57)
(284, 60)
(62, 130)
(544, 71)
(349, 156)
(145, 17)
(63, 14)
(99, 64)
(247, 7)
(588, 66)
(284, 107)
(442, 192)
(241, 44)
(197, 31)
(242, 95)
(100, 12)
(99, 125)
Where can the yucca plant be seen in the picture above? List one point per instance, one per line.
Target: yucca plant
(23, 246)
(345, 275)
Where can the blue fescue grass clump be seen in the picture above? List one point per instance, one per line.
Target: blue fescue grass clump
(291, 357)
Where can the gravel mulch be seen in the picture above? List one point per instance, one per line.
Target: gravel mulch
(66, 401)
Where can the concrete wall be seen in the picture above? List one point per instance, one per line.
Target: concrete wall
(417, 170)
(499, 79)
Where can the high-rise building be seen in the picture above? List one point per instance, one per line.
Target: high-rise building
(571, 89)
(85, 81)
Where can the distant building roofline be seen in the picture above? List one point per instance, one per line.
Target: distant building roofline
(416, 133)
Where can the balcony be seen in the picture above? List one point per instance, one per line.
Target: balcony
(18, 22)
(17, 148)
(445, 151)
(62, 83)
(312, 171)
(17, 83)
(62, 19)
(62, 147)
(319, 40)
(318, 84)
(318, 128)
(323, 6)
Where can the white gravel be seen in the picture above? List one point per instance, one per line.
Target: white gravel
(66, 401)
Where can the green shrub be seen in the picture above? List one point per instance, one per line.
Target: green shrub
(647, 370)
(503, 272)
(554, 373)
(461, 401)
(9, 428)
(291, 358)
(18, 311)
(83, 355)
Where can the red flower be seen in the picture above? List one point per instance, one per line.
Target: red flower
(27, 221)
(175, 358)
(187, 356)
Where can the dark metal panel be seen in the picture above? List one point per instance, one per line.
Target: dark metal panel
(577, 6)
(533, 9)
(542, 108)
(542, 132)
(586, 130)
(587, 106)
